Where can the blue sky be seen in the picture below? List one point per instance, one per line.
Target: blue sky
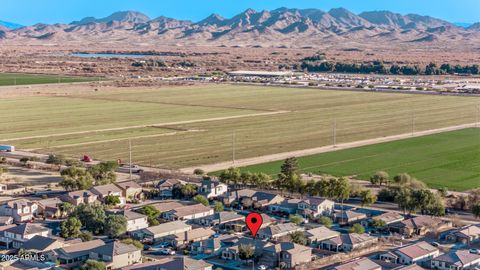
(49, 11)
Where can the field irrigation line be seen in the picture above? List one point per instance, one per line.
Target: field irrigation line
(319, 150)
(150, 125)
(120, 139)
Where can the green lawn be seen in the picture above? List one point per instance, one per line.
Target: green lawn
(307, 123)
(26, 79)
(450, 159)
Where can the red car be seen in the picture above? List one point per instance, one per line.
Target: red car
(87, 158)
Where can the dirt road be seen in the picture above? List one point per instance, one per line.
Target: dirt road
(319, 150)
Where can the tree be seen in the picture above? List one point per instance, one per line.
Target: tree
(56, 159)
(295, 219)
(24, 160)
(112, 200)
(379, 178)
(136, 243)
(264, 180)
(246, 178)
(378, 223)
(115, 225)
(246, 252)
(92, 217)
(201, 199)
(152, 214)
(357, 228)
(66, 208)
(367, 197)
(298, 238)
(104, 172)
(198, 172)
(443, 192)
(325, 221)
(93, 265)
(402, 179)
(3, 170)
(86, 236)
(231, 175)
(189, 190)
(476, 210)
(76, 179)
(290, 167)
(218, 207)
(71, 227)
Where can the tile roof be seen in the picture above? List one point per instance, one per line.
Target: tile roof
(128, 184)
(190, 210)
(114, 248)
(389, 217)
(279, 229)
(179, 263)
(105, 189)
(321, 233)
(193, 235)
(26, 229)
(417, 250)
(167, 227)
(79, 249)
(289, 247)
(167, 206)
(351, 239)
(168, 183)
(358, 264)
(458, 257)
(131, 215)
(38, 242)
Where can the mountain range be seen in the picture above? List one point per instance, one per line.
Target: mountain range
(279, 27)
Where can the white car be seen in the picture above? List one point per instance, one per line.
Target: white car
(262, 267)
(474, 251)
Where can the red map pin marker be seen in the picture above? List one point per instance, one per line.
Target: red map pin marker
(254, 222)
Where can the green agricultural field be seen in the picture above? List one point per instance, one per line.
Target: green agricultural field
(450, 159)
(26, 79)
(194, 125)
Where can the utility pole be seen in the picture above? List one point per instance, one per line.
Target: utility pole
(233, 148)
(130, 156)
(335, 132)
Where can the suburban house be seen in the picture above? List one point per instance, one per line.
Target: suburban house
(466, 235)
(419, 253)
(274, 232)
(187, 237)
(135, 221)
(108, 190)
(456, 260)
(116, 254)
(348, 242)
(41, 244)
(358, 264)
(289, 206)
(288, 253)
(20, 210)
(80, 197)
(420, 225)
(131, 191)
(167, 206)
(212, 189)
(16, 236)
(232, 251)
(166, 186)
(259, 199)
(210, 246)
(50, 208)
(172, 263)
(314, 207)
(155, 233)
(317, 235)
(349, 217)
(388, 218)
(188, 212)
(75, 254)
(219, 219)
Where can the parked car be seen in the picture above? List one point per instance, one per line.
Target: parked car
(474, 251)
(167, 251)
(125, 168)
(262, 267)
